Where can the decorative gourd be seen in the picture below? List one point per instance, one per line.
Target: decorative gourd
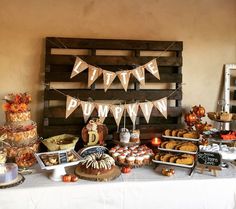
(125, 169)
(199, 111)
(190, 118)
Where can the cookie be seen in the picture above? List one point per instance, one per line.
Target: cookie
(173, 159)
(163, 144)
(171, 145)
(188, 147)
(174, 132)
(167, 132)
(166, 157)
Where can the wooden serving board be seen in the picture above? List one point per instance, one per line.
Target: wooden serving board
(113, 174)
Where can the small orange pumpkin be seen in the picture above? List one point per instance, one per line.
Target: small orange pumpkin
(125, 169)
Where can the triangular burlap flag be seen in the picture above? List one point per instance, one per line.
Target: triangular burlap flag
(146, 108)
(108, 78)
(161, 105)
(139, 74)
(117, 111)
(153, 68)
(93, 74)
(71, 105)
(132, 110)
(124, 77)
(79, 66)
(103, 110)
(87, 108)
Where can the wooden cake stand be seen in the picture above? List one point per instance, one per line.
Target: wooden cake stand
(113, 174)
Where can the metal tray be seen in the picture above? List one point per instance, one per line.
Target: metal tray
(174, 164)
(180, 138)
(178, 151)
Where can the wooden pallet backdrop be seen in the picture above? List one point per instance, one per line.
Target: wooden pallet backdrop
(58, 67)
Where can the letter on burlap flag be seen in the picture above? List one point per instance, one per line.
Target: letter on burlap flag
(108, 78)
(71, 105)
(117, 111)
(146, 108)
(153, 68)
(132, 110)
(93, 74)
(124, 77)
(161, 105)
(87, 108)
(79, 66)
(139, 74)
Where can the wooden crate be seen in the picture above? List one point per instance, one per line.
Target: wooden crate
(58, 68)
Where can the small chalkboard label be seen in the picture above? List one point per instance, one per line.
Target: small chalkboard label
(209, 158)
(63, 157)
(91, 150)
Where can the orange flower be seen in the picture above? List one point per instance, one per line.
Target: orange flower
(6, 106)
(23, 107)
(14, 108)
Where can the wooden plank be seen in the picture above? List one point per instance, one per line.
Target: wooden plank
(112, 60)
(68, 68)
(65, 77)
(59, 112)
(110, 121)
(55, 130)
(80, 43)
(114, 94)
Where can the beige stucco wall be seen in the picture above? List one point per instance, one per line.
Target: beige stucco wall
(207, 28)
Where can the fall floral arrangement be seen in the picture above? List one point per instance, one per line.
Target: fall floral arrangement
(194, 118)
(17, 102)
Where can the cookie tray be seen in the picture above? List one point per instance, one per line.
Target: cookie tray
(180, 138)
(177, 151)
(174, 164)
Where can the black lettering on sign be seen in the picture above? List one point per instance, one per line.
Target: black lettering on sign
(63, 157)
(209, 158)
(91, 150)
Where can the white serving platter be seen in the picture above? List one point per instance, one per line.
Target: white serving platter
(177, 151)
(58, 170)
(180, 138)
(174, 164)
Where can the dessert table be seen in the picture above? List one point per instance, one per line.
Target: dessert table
(142, 188)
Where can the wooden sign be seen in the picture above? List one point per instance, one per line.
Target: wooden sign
(90, 150)
(209, 158)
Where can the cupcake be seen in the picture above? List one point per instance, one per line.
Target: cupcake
(146, 159)
(112, 150)
(130, 159)
(121, 158)
(139, 160)
(115, 155)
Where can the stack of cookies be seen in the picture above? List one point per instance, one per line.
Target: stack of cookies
(184, 159)
(179, 145)
(181, 133)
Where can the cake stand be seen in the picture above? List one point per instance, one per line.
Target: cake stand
(57, 170)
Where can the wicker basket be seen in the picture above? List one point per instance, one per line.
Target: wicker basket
(221, 116)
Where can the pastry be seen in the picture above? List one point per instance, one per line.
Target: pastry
(97, 163)
(167, 132)
(171, 144)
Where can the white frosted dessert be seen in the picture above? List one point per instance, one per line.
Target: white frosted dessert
(8, 172)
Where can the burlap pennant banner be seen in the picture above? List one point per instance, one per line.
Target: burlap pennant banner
(146, 108)
(103, 110)
(108, 78)
(124, 77)
(93, 74)
(117, 111)
(71, 105)
(132, 110)
(87, 108)
(79, 67)
(161, 105)
(139, 74)
(153, 68)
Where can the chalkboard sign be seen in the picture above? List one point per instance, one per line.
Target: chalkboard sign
(90, 150)
(63, 157)
(209, 158)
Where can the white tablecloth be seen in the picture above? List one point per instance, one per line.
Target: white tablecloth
(143, 188)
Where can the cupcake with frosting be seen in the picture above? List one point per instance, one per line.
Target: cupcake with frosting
(146, 159)
(139, 160)
(115, 155)
(121, 158)
(130, 159)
